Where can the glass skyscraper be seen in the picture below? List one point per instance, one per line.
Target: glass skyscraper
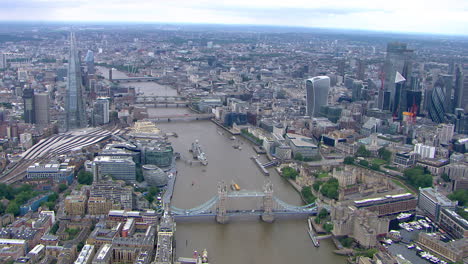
(74, 103)
(398, 59)
(316, 94)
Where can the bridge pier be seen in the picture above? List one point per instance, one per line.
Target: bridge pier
(267, 215)
(221, 212)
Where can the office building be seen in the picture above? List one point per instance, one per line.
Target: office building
(101, 111)
(99, 206)
(74, 103)
(154, 176)
(158, 153)
(424, 151)
(56, 172)
(119, 168)
(432, 202)
(86, 255)
(389, 205)
(28, 99)
(453, 223)
(89, 60)
(452, 251)
(75, 204)
(436, 107)
(316, 94)
(397, 69)
(458, 88)
(120, 196)
(301, 145)
(41, 108)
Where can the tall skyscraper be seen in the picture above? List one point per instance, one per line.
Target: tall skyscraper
(89, 59)
(360, 69)
(74, 103)
(41, 108)
(458, 89)
(397, 69)
(316, 94)
(28, 99)
(437, 108)
(101, 112)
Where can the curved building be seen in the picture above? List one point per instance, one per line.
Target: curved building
(437, 107)
(316, 94)
(159, 154)
(154, 176)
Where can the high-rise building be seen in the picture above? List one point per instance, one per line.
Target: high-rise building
(397, 69)
(464, 92)
(74, 103)
(101, 111)
(361, 69)
(41, 108)
(3, 61)
(89, 59)
(458, 88)
(28, 98)
(436, 107)
(316, 94)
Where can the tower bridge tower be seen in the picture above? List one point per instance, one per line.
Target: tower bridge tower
(221, 214)
(267, 215)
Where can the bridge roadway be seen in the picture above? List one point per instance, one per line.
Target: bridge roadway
(186, 117)
(135, 79)
(234, 213)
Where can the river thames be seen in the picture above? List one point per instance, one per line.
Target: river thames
(244, 240)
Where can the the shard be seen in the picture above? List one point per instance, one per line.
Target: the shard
(74, 103)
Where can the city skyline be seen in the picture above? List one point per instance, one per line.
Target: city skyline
(401, 16)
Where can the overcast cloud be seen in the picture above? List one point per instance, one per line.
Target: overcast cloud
(429, 16)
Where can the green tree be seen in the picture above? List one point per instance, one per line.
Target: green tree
(323, 213)
(349, 160)
(418, 177)
(328, 227)
(307, 194)
(364, 163)
(13, 208)
(385, 154)
(53, 197)
(62, 187)
(375, 166)
(85, 177)
(363, 152)
(289, 173)
(330, 189)
(317, 185)
(55, 227)
(80, 246)
(445, 177)
(459, 195)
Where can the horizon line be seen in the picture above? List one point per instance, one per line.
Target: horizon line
(408, 33)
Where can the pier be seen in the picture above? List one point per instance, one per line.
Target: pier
(312, 234)
(262, 168)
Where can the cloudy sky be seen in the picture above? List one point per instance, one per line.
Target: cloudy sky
(428, 16)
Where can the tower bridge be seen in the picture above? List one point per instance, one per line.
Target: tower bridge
(270, 207)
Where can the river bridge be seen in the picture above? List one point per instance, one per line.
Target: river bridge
(217, 206)
(135, 79)
(163, 101)
(185, 117)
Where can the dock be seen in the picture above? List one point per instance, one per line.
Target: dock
(259, 150)
(262, 168)
(230, 130)
(312, 234)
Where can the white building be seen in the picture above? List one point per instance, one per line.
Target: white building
(426, 152)
(316, 94)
